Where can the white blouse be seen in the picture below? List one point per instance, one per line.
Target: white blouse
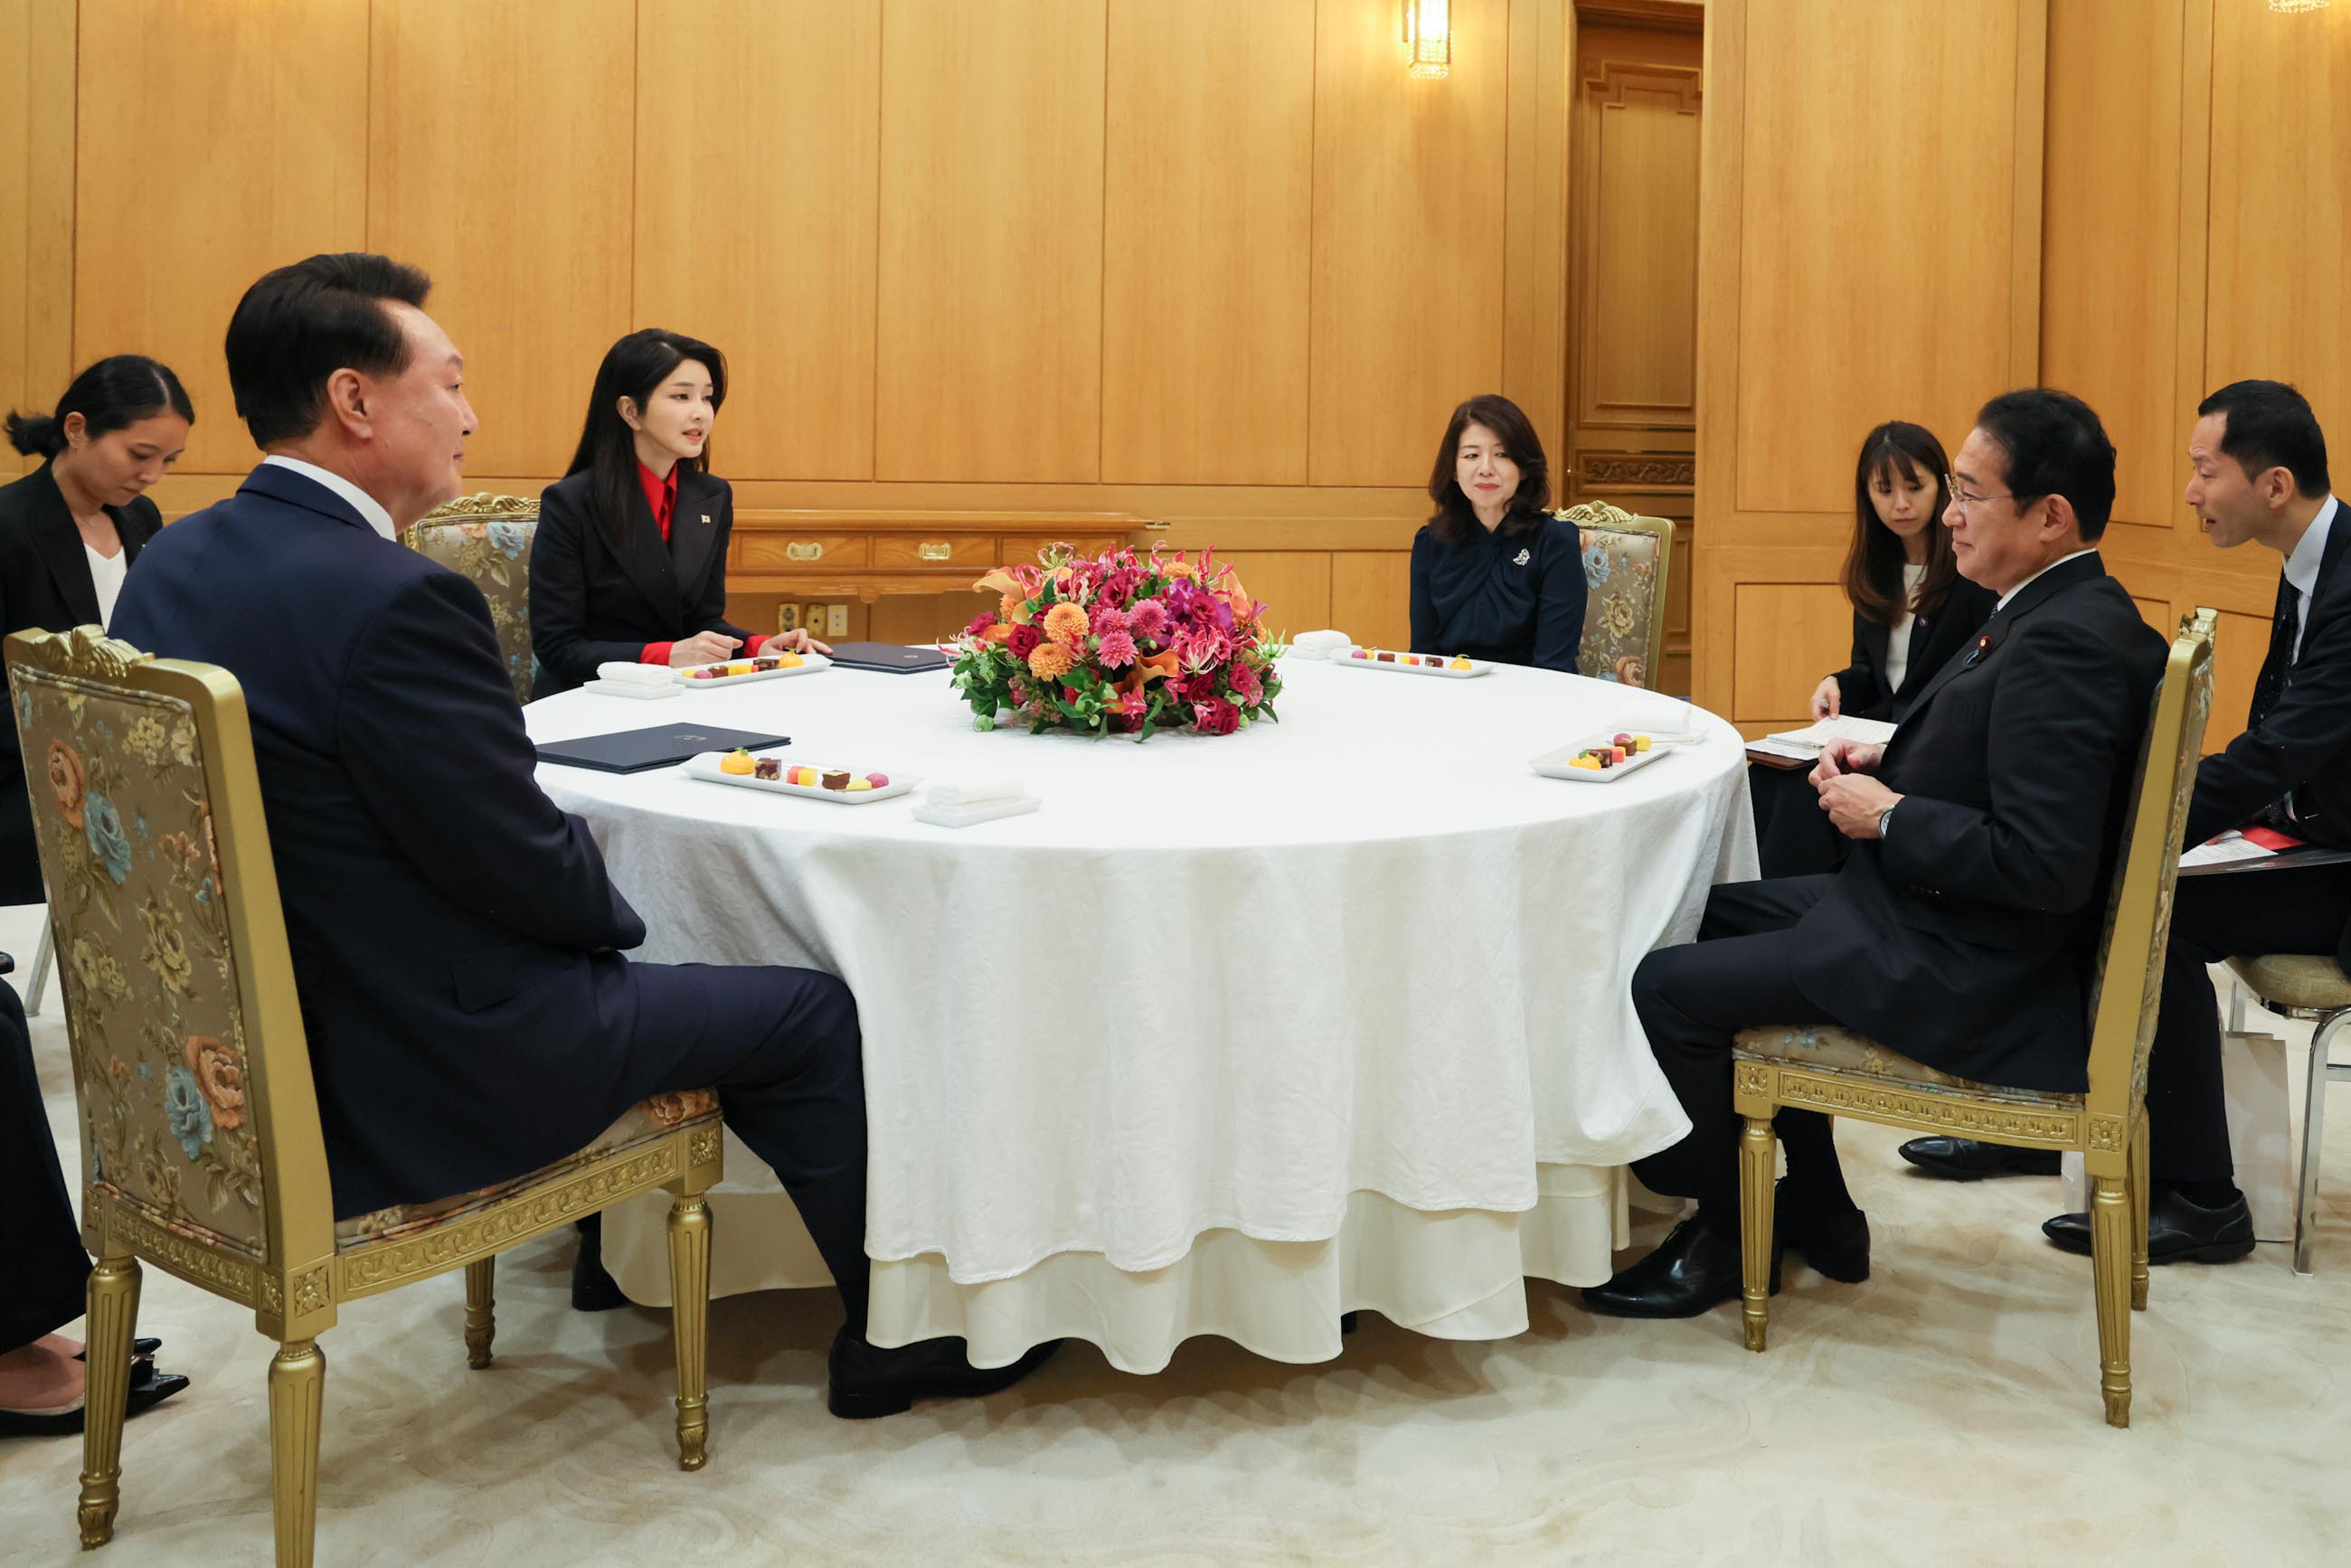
(106, 576)
(1897, 640)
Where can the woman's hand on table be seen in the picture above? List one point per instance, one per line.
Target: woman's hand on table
(701, 648)
(798, 640)
(1826, 697)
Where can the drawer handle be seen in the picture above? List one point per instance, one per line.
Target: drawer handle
(940, 551)
(804, 549)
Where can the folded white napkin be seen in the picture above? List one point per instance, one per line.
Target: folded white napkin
(622, 673)
(1321, 644)
(972, 791)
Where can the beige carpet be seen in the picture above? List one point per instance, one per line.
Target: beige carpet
(1946, 1412)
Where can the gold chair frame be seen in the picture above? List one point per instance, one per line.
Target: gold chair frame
(296, 1292)
(1599, 515)
(2106, 1125)
(482, 506)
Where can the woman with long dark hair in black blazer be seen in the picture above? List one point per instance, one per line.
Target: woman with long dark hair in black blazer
(1912, 611)
(69, 531)
(629, 562)
(1494, 576)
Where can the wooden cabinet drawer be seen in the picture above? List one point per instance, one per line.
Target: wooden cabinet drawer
(790, 552)
(975, 552)
(1020, 549)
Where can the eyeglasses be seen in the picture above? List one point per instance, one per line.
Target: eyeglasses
(1965, 500)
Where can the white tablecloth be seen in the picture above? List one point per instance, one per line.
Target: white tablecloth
(1232, 1035)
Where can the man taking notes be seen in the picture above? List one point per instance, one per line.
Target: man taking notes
(455, 938)
(1961, 929)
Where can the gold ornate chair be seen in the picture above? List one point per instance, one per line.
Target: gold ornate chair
(2315, 990)
(487, 539)
(202, 1152)
(1831, 1071)
(1626, 560)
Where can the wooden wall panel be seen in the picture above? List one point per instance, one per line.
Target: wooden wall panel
(16, 214)
(1295, 586)
(2280, 205)
(273, 91)
(1787, 636)
(1409, 231)
(1636, 354)
(500, 160)
(755, 213)
(2239, 645)
(1207, 240)
(1371, 597)
(989, 363)
(2110, 258)
(1907, 313)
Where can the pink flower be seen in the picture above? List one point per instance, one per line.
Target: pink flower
(1108, 619)
(1116, 649)
(1024, 641)
(1203, 647)
(979, 624)
(1147, 620)
(1216, 716)
(1244, 683)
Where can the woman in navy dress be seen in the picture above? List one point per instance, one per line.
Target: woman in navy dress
(1494, 575)
(1912, 611)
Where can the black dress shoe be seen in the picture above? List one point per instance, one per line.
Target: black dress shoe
(592, 1290)
(1836, 1245)
(1965, 1159)
(1692, 1272)
(148, 1389)
(2177, 1230)
(141, 1349)
(865, 1381)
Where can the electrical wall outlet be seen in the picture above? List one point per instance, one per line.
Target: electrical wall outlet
(788, 618)
(836, 620)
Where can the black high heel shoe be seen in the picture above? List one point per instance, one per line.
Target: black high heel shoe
(146, 1390)
(141, 1349)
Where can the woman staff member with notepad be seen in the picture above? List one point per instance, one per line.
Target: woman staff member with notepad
(629, 562)
(1911, 611)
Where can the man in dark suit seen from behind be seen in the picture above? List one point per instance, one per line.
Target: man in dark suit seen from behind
(1961, 929)
(456, 941)
(2258, 473)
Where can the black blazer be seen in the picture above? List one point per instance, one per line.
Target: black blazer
(591, 604)
(1965, 937)
(1933, 641)
(468, 1019)
(2302, 745)
(44, 586)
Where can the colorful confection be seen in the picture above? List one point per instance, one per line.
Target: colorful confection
(790, 661)
(835, 779)
(1359, 653)
(771, 767)
(763, 664)
(1460, 664)
(1641, 743)
(1589, 763)
(857, 784)
(1622, 739)
(1387, 658)
(803, 775)
(735, 761)
(879, 780)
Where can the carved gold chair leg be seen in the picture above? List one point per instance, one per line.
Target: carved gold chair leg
(298, 1380)
(113, 1317)
(2139, 1199)
(2110, 1227)
(689, 1294)
(1758, 1149)
(481, 1311)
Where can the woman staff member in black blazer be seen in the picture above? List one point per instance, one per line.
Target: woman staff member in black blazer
(1912, 611)
(629, 562)
(68, 530)
(1494, 576)
(71, 529)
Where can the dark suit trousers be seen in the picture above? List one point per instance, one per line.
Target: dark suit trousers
(47, 1267)
(1793, 837)
(781, 1048)
(2213, 917)
(1692, 1000)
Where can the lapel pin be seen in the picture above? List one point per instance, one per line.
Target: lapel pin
(706, 520)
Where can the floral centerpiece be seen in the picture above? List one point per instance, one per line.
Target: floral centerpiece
(1119, 644)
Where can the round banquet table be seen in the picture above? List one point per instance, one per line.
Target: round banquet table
(1233, 1035)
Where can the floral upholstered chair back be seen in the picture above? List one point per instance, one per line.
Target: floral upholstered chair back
(2147, 872)
(148, 814)
(486, 540)
(1626, 562)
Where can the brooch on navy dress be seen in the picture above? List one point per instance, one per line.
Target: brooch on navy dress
(1522, 558)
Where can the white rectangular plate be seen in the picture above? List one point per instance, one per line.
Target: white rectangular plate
(1396, 665)
(810, 663)
(706, 767)
(625, 689)
(1555, 764)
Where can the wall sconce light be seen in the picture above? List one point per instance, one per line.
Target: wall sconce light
(1429, 38)
(2292, 6)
